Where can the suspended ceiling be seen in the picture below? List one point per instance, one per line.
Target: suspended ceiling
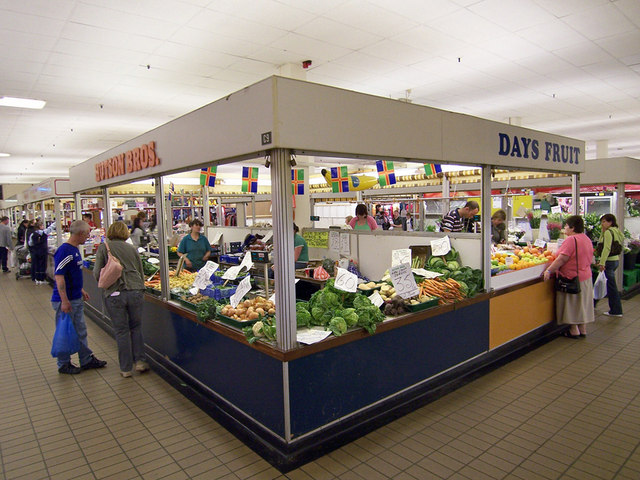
(111, 70)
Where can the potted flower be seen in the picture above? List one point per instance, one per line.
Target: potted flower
(554, 230)
(631, 254)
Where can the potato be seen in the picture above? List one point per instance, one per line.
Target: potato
(260, 310)
(363, 286)
(272, 311)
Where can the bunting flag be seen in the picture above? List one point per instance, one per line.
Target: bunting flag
(339, 179)
(297, 181)
(386, 176)
(432, 168)
(250, 179)
(208, 176)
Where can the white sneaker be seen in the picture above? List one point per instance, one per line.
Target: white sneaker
(142, 366)
(125, 374)
(612, 314)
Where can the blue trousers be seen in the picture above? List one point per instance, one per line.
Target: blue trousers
(613, 294)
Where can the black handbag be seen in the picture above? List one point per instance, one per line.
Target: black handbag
(616, 248)
(569, 285)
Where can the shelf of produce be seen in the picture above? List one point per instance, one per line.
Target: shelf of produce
(510, 278)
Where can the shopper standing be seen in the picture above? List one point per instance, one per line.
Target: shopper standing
(6, 243)
(124, 299)
(498, 227)
(39, 248)
(609, 247)
(69, 296)
(22, 229)
(574, 258)
(362, 220)
(31, 227)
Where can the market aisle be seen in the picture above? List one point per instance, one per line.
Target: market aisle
(570, 409)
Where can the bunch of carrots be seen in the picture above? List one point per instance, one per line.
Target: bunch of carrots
(448, 291)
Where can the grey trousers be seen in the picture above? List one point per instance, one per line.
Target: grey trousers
(125, 310)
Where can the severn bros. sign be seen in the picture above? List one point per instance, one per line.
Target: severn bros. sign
(133, 160)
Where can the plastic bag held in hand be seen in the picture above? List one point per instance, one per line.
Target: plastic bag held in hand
(600, 287)
(65, 339)
(320, 273)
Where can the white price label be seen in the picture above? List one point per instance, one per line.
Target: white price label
(204, 274)
(153, 260)
(403, 281)
(243, 287)
(232, 272)
(539, 243)
(402, 255)
(508, 260)
(556, 209)
(334, 241)
(272, 298)
(440, 246)
(376, 299)
(345, 244)
(425, 273)
(346, 281)
(194, 290)
(246, 261)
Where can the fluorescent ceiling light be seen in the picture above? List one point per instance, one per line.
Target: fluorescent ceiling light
(21, 102)
(5, 155)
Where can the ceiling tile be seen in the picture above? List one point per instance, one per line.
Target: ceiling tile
(371, 18)
(266, 12)
(309, 48)
(337, 33)
(512, 16)
(468, 27)
(599, 22)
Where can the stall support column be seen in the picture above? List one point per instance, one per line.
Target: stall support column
(446, 192)
(485, 219)
(57, 212)
(77, 205)
(108, 214)
(620, 211)
(205, 210)
(282, 212)
(163, 255)
(575, 194)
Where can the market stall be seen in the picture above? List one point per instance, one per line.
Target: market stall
(292, 402)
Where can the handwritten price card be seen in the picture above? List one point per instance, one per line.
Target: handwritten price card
(243, 287)
(403, 281)
(346, 281)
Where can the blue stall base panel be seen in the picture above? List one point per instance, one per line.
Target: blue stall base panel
(246, 378)
(337, 382)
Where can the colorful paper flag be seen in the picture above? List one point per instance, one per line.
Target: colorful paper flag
(297, 181)
(386, 175)
(339, 179)
(432, 168)
(250, 179)
(208, 176)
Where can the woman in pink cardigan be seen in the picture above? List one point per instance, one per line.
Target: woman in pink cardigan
(362, 220)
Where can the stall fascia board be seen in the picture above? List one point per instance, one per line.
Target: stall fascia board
(607, 171)
(46, 190)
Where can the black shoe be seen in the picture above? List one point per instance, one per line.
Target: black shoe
(93, 363)
(6, 271)
(69, 368)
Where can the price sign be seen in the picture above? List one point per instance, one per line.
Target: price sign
(153, 260)
(440, 246)
(241, 291)
(334, 241)
(204, 274)
(316, 239)
(402, 255)
(508, 260)
(403, 281)
(272, 298)
(556, 209)
(346, 281)
(376, 299)
(246, 261)
(425, 273)
(193, 290)
(539, 243)
(232, 273)
(345, 244)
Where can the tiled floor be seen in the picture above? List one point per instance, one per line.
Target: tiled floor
(570, 409)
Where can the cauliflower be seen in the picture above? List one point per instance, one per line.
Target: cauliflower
(257, 329)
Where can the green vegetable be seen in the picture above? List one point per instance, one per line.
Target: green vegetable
(338, 326)
(303, 318)
(453, 265)
(350, 316)
(264, 328)
(206, 310)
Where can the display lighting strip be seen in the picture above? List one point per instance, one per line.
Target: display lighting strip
(22, 103)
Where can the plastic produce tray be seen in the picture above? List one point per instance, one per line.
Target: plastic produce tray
(424, 305)
(235, 323)
(218, 293)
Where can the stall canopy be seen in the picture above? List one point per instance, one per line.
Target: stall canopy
(313, 119)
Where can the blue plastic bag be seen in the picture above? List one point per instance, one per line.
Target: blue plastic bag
(65, 339)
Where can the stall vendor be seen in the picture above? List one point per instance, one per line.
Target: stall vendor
(300, 249)
(460, 219)
(195, 248)
(498, 227)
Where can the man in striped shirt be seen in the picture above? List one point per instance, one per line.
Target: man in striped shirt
(457, 220)
(69, 296)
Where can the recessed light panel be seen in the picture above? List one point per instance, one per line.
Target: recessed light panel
(21, 102)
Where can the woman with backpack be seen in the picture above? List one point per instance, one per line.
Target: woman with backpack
(609, 249)
(39, 249)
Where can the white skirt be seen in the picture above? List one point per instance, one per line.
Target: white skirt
(572, 309)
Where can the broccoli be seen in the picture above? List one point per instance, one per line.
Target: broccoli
(338, 326)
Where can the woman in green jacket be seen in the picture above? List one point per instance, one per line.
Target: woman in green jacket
(610, 247)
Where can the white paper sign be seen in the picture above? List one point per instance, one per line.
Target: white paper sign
(403, 281)
(440, 246)
(539, 242)
(204, 274)
(334, 241)
(425, 273)
(243, 287)
(508, 260)
(246, 261)
(216, 238)
(194, 290)
(345, 244)
(402, 255)
(312, 335)
(153, 260)
(267, 236)
(272, 298)
(556, 209)
(346, 281)
(232, 272)
(376, 299)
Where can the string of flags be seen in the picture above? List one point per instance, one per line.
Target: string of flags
(250, 179)
(386, 175)
(297, 181)
(339, 179)
(432, 169)
(208, 176)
